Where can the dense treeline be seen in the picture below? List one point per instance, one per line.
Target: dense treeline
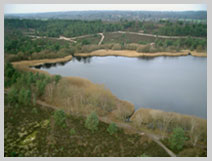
(72, 28)
(116, 15)
(21, 42)
(193, 44)
(25, 87)
(180, 29)
(16, 41)
(68, 28)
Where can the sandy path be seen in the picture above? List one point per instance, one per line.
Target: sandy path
(102, 38)
(67, 39)
(159, 36)
(123, 126)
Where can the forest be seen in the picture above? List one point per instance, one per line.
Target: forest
(19, 36)
(116, 15)
(72, 28)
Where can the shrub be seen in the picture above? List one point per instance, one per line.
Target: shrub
(13, 95)
(177, 139)
(92, 122)
(72, 131)
(40, 85)
(24, 96)
(10, 75)
(57, 78)
(112, 128)
(60, 118)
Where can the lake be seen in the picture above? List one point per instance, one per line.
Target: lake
(175, 84)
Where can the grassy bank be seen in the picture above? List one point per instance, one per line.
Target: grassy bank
(79, 96)
(28, 63)
(132, 53)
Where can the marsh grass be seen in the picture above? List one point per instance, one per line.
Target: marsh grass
(165, 122)
(76, 95)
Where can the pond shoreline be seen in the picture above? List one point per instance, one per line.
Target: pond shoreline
(149, 120)
(133, 53)
(28, 64)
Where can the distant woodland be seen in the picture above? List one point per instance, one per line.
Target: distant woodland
(116, 15)
(39, 38)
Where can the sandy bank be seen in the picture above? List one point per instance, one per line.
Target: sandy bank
(27, 63)
(123, 108)
(133, 53)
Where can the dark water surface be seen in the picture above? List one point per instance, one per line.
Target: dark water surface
(177, 84)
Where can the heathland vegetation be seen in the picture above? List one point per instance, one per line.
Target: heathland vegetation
(50, 115)
(77, 97)
(38, 39)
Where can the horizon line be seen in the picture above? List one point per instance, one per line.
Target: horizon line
(107, 10)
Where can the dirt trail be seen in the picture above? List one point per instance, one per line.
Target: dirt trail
(126, 126)
(159, 36)
(123, 126)
(83, 36)
(102, 38)
(67, 39)
(150, 135)
(72, 39)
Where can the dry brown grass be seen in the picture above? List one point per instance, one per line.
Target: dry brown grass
(79, 96)
(124, 109)
(201, 54)
(166, 121)
(28, 63)
(132, 53)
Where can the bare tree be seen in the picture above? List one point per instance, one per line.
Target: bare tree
(194, 132)
(139, 119)
(166, 120)
(49, 89)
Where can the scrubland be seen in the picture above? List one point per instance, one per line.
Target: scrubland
(80, 97)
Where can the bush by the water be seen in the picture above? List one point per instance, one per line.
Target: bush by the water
(57, 78)
(92, 122)
(24, 96)
(112, 129)
(177, 139)
(60, 118)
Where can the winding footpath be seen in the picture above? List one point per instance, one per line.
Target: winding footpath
(102, 38)
(126, 126)
(157, 36)
(122, 125)
(73, 39)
